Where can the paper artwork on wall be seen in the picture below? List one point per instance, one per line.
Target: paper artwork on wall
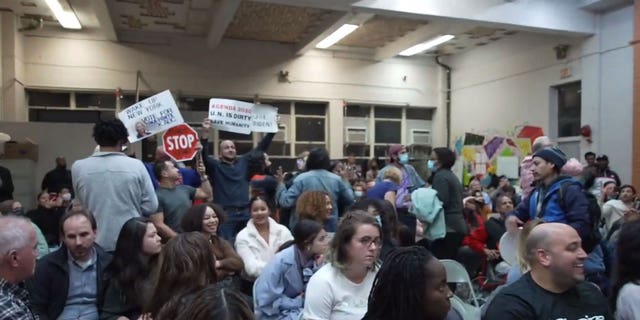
(472, 139)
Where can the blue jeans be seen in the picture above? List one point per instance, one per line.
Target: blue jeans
(236, 220)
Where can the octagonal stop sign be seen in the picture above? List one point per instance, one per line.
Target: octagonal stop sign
(180, 142)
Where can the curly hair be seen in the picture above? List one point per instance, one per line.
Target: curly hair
(312, 205)
(109, 133)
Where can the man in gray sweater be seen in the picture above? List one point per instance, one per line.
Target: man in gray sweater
(111, 185)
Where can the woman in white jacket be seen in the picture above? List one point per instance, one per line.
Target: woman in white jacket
(259, 241)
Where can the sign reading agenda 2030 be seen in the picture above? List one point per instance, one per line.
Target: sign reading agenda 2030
(242, 117)
(150, 116)
(231, 115)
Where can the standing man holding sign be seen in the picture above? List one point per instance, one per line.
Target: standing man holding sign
(174, 200)
(181, 144)
(230, 186)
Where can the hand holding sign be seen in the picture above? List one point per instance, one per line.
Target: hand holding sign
(150, 116)
(180, 142)
(241, 117)
(231, 115)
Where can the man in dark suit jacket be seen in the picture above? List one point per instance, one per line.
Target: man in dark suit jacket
(70, 283)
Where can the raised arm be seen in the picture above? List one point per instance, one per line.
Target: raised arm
(265, 142)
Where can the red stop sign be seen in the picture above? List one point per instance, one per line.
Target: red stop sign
(180, 142)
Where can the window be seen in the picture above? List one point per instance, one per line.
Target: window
(193, 104)
(96, 100)
(569, 109)
(385, 125)
(70, 107)
(128, 100)
(48, 99)
(310, 129)
(310, 126)
(70, 116)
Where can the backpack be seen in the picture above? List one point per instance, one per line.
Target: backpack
(595, 217)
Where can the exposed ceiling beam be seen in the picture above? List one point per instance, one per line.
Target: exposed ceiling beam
(329, 27)
(422, 34)
(222, 15)
(546, 16)
(104, 19)
(338, 5)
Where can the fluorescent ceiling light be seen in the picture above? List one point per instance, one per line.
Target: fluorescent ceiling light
(426, 45)
(67, 19)
(336, 36)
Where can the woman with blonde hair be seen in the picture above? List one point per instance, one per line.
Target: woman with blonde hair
(522, 266)
(386, 189)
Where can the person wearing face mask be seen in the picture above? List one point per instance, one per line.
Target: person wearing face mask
(58, 178)
(410, 180)
(358, 190)
(14, 208)
(449, 191)
(301, 162)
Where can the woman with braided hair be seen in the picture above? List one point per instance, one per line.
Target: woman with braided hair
(398, 293)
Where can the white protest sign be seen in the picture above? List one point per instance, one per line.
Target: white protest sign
(231, 115)
(265, 118)
(150, 116)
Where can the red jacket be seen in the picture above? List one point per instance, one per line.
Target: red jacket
(477, 238)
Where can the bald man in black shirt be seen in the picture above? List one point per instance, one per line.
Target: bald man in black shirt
(555, 286)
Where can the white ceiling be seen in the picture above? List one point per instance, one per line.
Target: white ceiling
(387, 26)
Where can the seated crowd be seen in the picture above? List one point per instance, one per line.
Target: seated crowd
(114, 238)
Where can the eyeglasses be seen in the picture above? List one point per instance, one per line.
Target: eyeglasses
(367, 241)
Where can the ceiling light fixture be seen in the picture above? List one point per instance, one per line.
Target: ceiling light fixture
(421, 47)
(336, 36)
(67, 19)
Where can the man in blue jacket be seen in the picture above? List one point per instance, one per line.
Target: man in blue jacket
(543, 201)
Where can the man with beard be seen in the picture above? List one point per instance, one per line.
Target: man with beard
(555, 286)
(602, 163)
(544, 200)
(70, 282)
(228, 174)
(58, 178)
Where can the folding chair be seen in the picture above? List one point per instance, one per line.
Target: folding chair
(465, 310)
(456, 273)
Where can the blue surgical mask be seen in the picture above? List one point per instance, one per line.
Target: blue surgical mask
(404, 158)
(431, 165)
(358, 194)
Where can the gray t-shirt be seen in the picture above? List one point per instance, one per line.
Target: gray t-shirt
(173, 203)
